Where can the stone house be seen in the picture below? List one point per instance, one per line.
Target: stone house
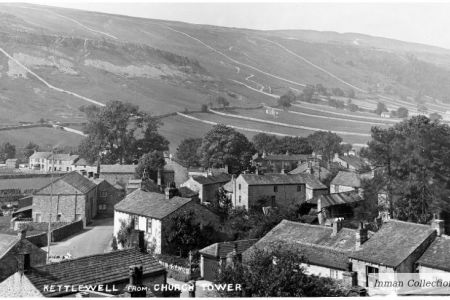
(110, 272)
(350, 162)
(180, 172)
(276, 163)
(69, 198)
(326, 250)
(152, 212)
(206, 186)
(313, 168)
(346, 182)
(215, 255)
(37, 160)
(108, 195)
(60, 162)
(393, 249)
(117, 173)
(17, 252)
(435, 259)
(281, 190)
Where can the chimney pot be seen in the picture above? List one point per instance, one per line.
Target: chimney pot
(438, 225)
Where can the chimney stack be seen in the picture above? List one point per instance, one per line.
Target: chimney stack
(361, 235)
(22, 234)
(438, 225)
(170, 191)
(134, 287)
(337, 226)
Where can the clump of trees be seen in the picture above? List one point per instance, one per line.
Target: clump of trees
(287, 99)
(188, 152)
(7, 150)
(413, 160)
(276, 273)
(113, 131)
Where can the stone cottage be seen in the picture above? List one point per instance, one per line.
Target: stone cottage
(206, 186)
(152, 212)
(69, 198)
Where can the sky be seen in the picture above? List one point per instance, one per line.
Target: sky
(420, 22)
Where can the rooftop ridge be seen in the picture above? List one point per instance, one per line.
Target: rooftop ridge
(409, 223)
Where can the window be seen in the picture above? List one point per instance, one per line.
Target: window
(67, 169)
(272, 201)
(149, 226)
(239, 199)
(275, 189)
(239, 186)
(103, 194)
(58, 217)
(299, 188)
(371, 275)
(333, 274)
(136, 222)
(336, 188)
(38, 218)
(102, 207)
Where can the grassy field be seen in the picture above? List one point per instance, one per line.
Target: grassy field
(41, 136)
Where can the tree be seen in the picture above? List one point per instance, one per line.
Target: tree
(7, 151)
(275, 273)
(293, 145)
(321, 89)
(353, 107)
(184, 234)
(402, 112)
(111, 131)
(222, 146)
(307, 94)
(381, 107)
(188, 152)
(325, 143)
(124, 233)
(222, 101)
(413, 158)
(149, 164)
(286, 99)
(29, 149)
(265, 142)
(351, 93)
(222, 204)
(337, 92)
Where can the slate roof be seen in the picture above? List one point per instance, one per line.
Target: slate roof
(284, 157)
(118, 169)
(393, 243)
(220, 250)
(81, 162)
(347, 179)
(337, 199)
(7, 242)
(63, 157)
(304, 168)
(353, 160)
(74, 179)
(150, 204)
(92, 270)
(37, 155)
(315, 242)
(186, 192)
(219, 178)
(436, 256)
(276, 178)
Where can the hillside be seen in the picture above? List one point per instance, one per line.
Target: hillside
(54, 60)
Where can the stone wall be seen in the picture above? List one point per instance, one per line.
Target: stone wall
(67, 230)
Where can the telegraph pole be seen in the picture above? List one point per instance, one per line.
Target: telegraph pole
(49, 234)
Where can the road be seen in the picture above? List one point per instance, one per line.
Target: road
(94, 239)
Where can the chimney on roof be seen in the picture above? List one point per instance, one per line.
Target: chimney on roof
(361, 235)
(438, 225)
(349, 278)
(22, 234)
(170, 191)
(337, 226)
(134, 287)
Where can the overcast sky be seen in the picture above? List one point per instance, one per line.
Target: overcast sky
(415, 22)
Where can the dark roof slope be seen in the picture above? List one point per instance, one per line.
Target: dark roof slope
(150, 204)
(276, 178)
(7, 242)
(347, 179)
(355, 161)
(74, 179)
(287, 157)
(222, 249)
(315, 242)
(437, 255)
(393, 243)
(219, 178)
(186, 192)
(92, 270)
(337, 199)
